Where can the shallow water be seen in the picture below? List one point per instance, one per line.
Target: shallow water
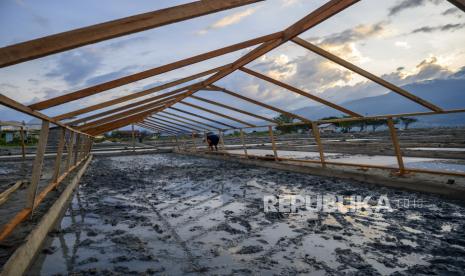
(170, 214)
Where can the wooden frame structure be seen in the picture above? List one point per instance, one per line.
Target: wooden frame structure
(154, 113)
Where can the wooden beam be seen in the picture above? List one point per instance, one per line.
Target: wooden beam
(316, 134)
(158, 123)
(173, 123)
(37, 166)
(273, 143)
(56, 43)
(200, 116)
(366, 74)
(150, 73)
(188, 119)
(70, 150)
(4, 100)
(133, 138)
(229, 92)
(23, 146)
(155, 129)
(217, 113)
(61, 143)
(395, 143)
(125, 107)
(137, 95)
(233, 109)
(120, 115)
(300, 92)
(181, 121)
(162, 128)
(243, 143)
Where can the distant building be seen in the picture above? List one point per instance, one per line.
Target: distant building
(327, 128)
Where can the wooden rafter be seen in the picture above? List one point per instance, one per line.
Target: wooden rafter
(149, 73)
(158, 119)
(229, 92)
(168, 124)
(199, 116)
(188, 119)
(300, 92)
(365, 73)
(216, 113)
(233, 109)
(180, 121)
(137, 94)
(159, 127)
(159, 130)
(459, 4)
(174, 94)
(44, 46)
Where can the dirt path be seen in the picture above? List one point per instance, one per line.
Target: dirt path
(170, 214)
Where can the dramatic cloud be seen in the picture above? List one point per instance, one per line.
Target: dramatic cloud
(110, 76)
(442, 28)
(408, 4)
(451, 11)
(76, 66)
(229, 20)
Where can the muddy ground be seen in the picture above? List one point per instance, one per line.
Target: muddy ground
(169, 214)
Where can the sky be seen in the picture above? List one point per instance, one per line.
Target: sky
(403, 41)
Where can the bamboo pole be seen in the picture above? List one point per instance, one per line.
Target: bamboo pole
(316, 134)
(223, 148)
(273, 144)
(37, 166)
(395, 142)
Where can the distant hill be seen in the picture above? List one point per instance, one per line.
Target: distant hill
(445, 93)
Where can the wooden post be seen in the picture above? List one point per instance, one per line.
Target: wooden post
(76, 148)
(61, 143)
(193, 142)
(396, 145)
(243, 144)
(223, 148)
(70, 150)
(316, 134)
(23, 146)
(133, 139)
(177, 142)
(273, 144)
(37, 166)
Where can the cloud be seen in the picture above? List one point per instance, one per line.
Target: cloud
(110, 76)
(409, 4)
(229, 20)
(442, 28)
(402, 44)
(357, 33)
(75, 66)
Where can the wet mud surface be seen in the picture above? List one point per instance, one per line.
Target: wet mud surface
(171, 215)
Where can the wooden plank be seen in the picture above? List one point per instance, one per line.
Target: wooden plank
(316, 134)
(217, 113)
(150, 73)
(300, 92)
(200, 116)
(60, 42)
(273, 143)
(233, 109)
(229, 92)
(37, 166)
(364, 73)
(158, 129)
(4, 100)
(395, 143)
(61, 143)
(140, 94)
(6, 194)
(243, 143)
(188, 119)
